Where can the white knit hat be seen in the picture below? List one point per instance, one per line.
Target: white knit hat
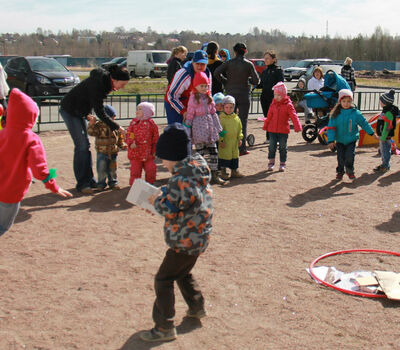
(228, 99)
(345, 93)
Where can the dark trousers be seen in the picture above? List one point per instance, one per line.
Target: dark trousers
(345, 157)
(243, 106)
(175, 267)
(266, 100)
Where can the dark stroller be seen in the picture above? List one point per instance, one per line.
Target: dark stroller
(322, 102)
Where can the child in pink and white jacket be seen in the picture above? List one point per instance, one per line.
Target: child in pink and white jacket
(21, 155)
(277, 124)
(203, 120)
(141, 138)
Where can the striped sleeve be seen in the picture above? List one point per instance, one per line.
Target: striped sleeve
(180, 83)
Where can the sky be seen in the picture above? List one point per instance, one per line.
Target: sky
(344, 18)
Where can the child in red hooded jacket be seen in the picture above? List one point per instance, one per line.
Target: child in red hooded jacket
(21, 156)
(141, 138)
(277, 124)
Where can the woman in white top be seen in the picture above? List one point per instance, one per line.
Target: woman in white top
(317, 81)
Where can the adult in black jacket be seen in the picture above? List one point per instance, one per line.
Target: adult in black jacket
(213, 63)
(176, 61)
(76, 108)
(270, 76)
(237, 74)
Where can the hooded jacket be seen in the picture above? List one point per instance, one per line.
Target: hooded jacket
(278, 117)
(186, 204)
(144, 133)
(21, 151)
(90, 94)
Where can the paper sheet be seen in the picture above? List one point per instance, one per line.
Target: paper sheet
(140, 193)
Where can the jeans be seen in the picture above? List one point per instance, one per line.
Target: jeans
(8, 213)
(106, 168)
(386, 151)
(77, 128)
(345, 157)
(175, 267)
(274, 138)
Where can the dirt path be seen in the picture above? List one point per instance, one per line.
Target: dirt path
(78, 273)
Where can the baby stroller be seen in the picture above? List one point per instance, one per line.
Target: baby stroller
(322, 102)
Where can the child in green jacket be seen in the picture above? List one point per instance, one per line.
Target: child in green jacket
(385, 129)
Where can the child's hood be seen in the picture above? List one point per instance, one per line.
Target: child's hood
(22, 111)
(301, 80)
(194, 167)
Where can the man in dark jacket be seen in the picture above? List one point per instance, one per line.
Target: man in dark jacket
(237, 74)
(77, 105)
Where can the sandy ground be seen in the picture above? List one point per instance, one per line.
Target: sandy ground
(78, 273)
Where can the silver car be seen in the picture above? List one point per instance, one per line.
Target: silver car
(301, 67)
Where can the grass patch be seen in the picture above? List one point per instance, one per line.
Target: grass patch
(395, 83)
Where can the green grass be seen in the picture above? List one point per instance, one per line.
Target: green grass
(395, 83)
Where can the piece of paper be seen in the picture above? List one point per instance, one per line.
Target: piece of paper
(367, 281)
(390, 283)
(139, 195)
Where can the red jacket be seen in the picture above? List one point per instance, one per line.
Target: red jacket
(278, 117)
(21, 150)
(144, 133)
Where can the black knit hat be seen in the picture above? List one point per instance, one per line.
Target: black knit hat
(388, 98)
(118, 73)
(173, 143)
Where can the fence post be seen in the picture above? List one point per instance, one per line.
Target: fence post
(138, 99)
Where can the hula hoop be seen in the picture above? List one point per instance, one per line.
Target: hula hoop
(352, 292)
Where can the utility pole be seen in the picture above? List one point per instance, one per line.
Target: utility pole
(326, 35)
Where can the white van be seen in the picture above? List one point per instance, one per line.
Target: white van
(148, 63)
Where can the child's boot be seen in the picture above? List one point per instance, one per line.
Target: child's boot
(224, 174)
(282, 167)
(236, 174)
(215, 179)
(271, 164)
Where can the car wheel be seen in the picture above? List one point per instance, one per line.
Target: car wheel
(133, 74)
(30, 91)
(288, 79)
(152, 75)
(309, 133)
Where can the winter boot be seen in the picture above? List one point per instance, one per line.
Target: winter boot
(215, 179)
(224, 174)
(236, 174)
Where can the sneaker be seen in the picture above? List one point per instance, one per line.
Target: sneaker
(339, 176)
(196, 314)
(282, 168)
(381, 169)
(244, 153)
(155, 334)
(270, 166)
(378, 168)
(351, 176)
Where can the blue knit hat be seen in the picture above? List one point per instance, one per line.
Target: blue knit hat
(218, 97)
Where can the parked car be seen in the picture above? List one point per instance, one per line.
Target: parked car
(121, 61)
(150, 63)
(301, 67)
(259, 64)
(325, 67)
(39, 76)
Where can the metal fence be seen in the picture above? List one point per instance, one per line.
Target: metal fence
(125, 106)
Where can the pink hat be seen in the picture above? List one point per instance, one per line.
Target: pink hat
(147, 108)
(280, 89)
(345, 93)
(200, 78)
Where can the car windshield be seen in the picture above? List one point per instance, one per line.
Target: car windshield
(117, 60)
(46, 65)
(160, 57)
(302, 64)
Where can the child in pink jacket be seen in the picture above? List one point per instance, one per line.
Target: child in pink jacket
(141, 138)
(277, 124)
(203, 120)
(21, 156)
